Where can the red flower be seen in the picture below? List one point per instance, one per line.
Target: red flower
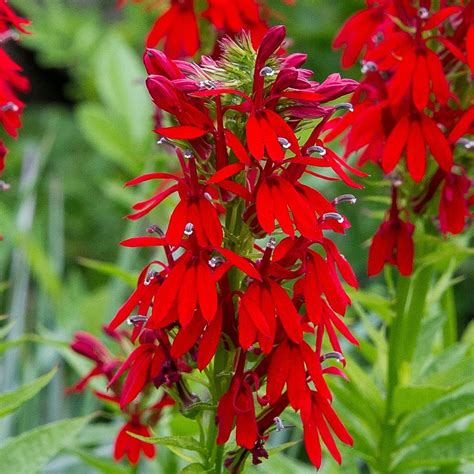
(178, 27)
(127, 445)
(415, 133)
(359, 30)
(288, 365)
(90, 347)
(318, 416)
(11, 79)
(393, 243)
(237, 407)
(453, 203)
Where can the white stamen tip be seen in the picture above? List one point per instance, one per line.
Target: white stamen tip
(317, 149)
(189, 228)
(284, 142)
(267, 71)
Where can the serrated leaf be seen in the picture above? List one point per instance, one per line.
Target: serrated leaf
(183, 442)
(430, 419)
(10, 401)
(31, 451)
(411, 398)
(443, 450)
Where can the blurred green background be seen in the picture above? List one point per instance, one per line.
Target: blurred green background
(87, 130)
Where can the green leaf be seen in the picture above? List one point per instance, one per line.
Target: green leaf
(444, 450)
(106, 134)
(430, 419)
(194, 468)
(6, 329)
(183, 442)
(407, 399)
(10, 401)
(32, 450)
(120, 82)
(283, 446)
(109, 269)
(102, 465)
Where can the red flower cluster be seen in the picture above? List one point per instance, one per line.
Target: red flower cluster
(178, 26)
(418, 62)
(235, 128)
(11, 80)
(138, 416)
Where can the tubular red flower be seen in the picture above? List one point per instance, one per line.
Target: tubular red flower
(410, 105)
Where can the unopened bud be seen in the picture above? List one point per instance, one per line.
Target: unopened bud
(331, 215)
(350, 198)
(284, 142)
(4, 186)
(267, 71)
(317, 149)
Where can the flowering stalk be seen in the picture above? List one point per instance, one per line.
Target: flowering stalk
(11, 80)
(180, 30)
(256, 318)
(413, 102)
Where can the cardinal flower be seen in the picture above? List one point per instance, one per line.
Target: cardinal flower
(416, 134)
(453, 203)
(393, 243)
(178, 27)
(131, 447)
(237, 407)
(318, 416)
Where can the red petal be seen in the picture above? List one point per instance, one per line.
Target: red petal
(421, 83)
(226, 172)
(265, 214)
(395, 144)
(187, 300)
(437, 143)
(254, 137)
(287, 313)
(241, 263)
(143, 242)
(278, 370)
(207, 292)
(210, 341)
(182, 132)
(239, 150)
(416, 153)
